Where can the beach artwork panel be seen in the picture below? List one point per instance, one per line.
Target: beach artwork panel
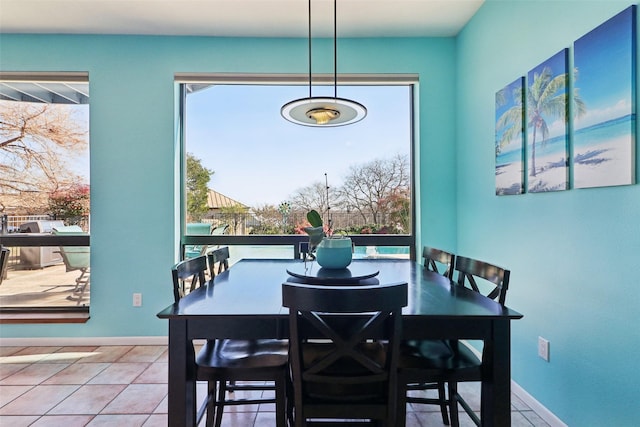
(604, 139)
(510, 139)
(547, 126)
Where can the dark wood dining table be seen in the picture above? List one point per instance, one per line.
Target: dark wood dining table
(245, 302)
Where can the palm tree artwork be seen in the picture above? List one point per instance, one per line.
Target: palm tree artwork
(547, 111)
(510, 139)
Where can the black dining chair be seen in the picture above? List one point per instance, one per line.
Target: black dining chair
(344, 347)
(261, 365)
(219, 257)
(433, 256)
(434, 260)
(419, 364)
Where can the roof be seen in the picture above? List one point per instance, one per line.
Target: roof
(217, 200)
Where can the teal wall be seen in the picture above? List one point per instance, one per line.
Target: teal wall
(574, 255)
(133, 147)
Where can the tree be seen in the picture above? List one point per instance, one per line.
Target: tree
(397, 206)
(71, 204)
(197, 185)
(366, 186)
(235, 215)
(546, 97)
(314, 196)
(36, 143)
(269, 219)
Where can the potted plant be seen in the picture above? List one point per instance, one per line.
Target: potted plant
(331, 251)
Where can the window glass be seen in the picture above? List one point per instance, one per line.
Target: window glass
(250, 172)
(44, 189)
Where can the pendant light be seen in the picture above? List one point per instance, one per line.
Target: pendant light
(324, 111)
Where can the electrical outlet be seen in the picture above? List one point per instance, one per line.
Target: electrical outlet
(543, 348)
(137, 300)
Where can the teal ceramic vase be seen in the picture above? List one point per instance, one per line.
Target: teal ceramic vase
(334, 253)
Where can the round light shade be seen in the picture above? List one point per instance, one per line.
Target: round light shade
(323, 112)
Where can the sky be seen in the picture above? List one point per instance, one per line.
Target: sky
(260, 158)
(604, 59)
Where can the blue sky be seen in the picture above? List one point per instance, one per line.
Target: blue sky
(604, 59)
(260, 158)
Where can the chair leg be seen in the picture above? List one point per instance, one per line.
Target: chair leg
(281, 401)
(222, 394)
(442, 401)
(453, 404)
(401, 407)
(211, 402)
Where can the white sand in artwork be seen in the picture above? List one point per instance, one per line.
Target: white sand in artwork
(601, 165)
(509, 178)
(606, 164)
(552, 174)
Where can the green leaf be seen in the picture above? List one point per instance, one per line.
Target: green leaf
(314, 218)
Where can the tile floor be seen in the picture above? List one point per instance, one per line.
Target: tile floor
(126, 386)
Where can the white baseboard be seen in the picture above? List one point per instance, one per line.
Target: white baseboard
(548, 416)
(82, 341)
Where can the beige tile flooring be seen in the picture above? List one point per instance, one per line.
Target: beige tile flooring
(126, 386)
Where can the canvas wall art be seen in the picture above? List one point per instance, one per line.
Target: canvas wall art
(547, 127)
(604, 131)
(510, 139)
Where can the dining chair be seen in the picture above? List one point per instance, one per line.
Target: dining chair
(432, 257)
(220, 257)
(303, 251)
(419, 364)
(261, 365)
(436, 348)
(344, 348)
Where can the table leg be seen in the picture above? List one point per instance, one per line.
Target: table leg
(182, 381)
(496, 384)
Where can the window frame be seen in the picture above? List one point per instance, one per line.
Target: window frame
(45, 314)
(184, 79)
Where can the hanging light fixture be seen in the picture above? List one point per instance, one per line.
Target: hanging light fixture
(324, 111)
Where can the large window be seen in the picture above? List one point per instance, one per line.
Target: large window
(251, 176)
(44, 191)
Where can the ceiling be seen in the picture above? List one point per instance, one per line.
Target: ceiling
(238, 18)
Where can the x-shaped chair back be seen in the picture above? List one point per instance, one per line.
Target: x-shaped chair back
(344, 343)
(190, 269)
(219, 256)
(433, 255)
(469, 269)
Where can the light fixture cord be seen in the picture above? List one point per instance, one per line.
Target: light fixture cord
(309, 11)
(335, 49)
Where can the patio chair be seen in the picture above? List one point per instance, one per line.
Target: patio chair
(221, 361)
(191, 251)
(75, 258)
(4, 262)
(344, 351)
(419, 364)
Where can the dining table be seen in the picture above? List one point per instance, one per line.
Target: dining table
(245, 302)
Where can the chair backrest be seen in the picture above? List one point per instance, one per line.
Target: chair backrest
(191, 269)
(303, 250)
(4, 262)
(74, 257)
(469, 269)
(344, 343)
(219, 256)
(432, 256)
